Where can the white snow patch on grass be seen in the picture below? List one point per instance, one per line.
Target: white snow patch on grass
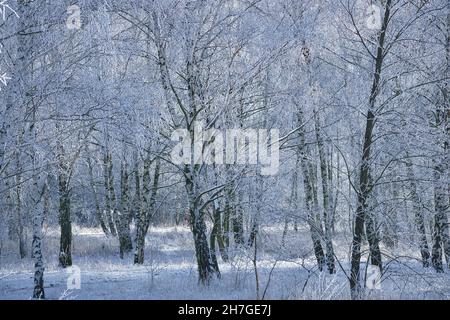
(170, 270)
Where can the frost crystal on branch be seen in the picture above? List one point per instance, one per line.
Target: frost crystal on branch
(4, 80)
(4, 8)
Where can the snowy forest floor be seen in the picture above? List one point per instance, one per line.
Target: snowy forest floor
(170, 270)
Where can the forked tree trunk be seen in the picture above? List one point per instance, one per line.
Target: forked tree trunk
(327, 197)
(148, 208)
(197, 222)
(314, 227)
(123, 231)
(218, 232)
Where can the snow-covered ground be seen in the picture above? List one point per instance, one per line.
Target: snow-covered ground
(170, 271)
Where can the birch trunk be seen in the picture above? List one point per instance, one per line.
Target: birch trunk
(197, 222)
(148, 208)
(38, 220)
